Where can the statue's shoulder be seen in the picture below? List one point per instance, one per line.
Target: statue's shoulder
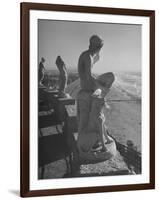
(84, 55)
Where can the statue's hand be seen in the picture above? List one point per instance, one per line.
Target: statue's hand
(107, 106)
(104, 90)
(97, 93)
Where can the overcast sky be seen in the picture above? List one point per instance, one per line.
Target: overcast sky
(121, 50)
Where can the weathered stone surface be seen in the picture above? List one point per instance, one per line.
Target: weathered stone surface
(115, 165)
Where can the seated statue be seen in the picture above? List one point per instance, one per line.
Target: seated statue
(62, 77)
(92, 131)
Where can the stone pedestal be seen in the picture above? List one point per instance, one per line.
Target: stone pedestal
(110, 167)
(62, 102)
(41, 92)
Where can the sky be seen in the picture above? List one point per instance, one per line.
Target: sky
(121, 50)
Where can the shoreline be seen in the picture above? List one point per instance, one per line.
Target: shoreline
(123, 118)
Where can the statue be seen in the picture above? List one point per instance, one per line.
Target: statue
(62, 77)
(93, 131)
(93, 142)
(41, 71)
(87, 81)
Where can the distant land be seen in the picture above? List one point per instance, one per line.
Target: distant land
(54, 70)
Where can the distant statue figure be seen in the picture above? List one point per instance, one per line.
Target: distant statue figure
(92, 130)
(62, 77)
(41, 71)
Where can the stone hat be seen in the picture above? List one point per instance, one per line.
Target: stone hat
(96, 41)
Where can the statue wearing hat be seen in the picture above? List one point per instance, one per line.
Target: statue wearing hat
(92, 130)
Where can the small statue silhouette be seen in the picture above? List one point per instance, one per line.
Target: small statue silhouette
(41, 71)
(62, 77)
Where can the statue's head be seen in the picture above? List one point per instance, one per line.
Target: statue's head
(59, 62)
(95, 43)
(42, 59)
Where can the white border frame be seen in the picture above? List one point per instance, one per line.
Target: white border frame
(36, 184)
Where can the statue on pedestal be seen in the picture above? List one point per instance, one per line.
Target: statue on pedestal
(93, 142)
(62, 77)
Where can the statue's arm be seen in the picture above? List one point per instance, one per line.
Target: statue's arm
(96, 58)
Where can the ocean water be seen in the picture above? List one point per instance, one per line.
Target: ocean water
(130, 82)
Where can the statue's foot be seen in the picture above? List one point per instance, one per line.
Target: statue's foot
(104, 149)
(100, 149)
(109, 140)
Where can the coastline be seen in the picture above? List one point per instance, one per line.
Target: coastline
(123, 118)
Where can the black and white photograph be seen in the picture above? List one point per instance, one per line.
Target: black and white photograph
(90, 94)
(89, 114)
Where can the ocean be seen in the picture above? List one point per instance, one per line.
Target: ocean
(130, 82)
